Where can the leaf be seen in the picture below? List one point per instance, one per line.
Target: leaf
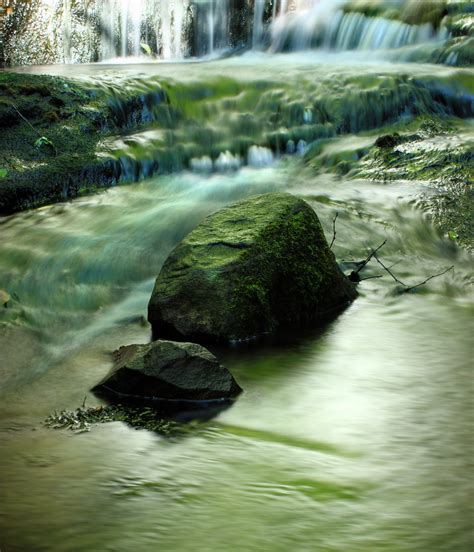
(452, 235)
(146, 49)
(43, 141)
(3, 173)
(4, 297)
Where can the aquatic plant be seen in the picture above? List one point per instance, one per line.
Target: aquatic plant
(84, 419)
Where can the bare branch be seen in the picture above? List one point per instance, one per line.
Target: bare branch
(25, 119)
(374, 252)
(354, 275)
(334, 231)
(395, 263)
(389, 271)
(371, 278)
(427, 280)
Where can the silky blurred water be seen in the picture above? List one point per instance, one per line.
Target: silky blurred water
(356, 437)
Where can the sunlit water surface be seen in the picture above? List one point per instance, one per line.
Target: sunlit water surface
(354, 438)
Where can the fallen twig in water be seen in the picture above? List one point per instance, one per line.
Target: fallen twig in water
(334, 233)
(406, 287)
(371, 278)
(354, 275)
(389, 271)
(411, 288)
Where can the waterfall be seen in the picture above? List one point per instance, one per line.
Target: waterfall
(168, 21)
(124, 22)
(66, 27)
(257, 33)
(76, 30)
(322, 24)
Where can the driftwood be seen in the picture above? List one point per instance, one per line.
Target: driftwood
(355, 277)
(334, 233)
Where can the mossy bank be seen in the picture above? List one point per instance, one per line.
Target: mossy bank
(50, 129)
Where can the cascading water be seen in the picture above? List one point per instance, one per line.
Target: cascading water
(123, 22)
(210, 27)
(176, 29)
(258, 27)
(297, 25)
(322, 24)
(171, 28)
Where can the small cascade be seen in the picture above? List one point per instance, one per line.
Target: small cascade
(172, 29)
(323, 24)
(166, 22)
(210, 27)
(258, 26)
(130, 26)
(259, 156)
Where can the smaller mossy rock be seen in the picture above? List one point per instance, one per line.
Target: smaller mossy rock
(168, 371)
(246, 271)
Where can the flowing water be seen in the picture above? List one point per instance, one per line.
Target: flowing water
(355, 437)
(77, 31)
(294, 26)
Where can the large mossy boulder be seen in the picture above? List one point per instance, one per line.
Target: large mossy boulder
(164, 370)
(246, 271)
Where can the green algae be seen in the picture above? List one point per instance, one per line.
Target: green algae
(415, 12)
(372, 8)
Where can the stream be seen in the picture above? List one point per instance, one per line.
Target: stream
(354, 437)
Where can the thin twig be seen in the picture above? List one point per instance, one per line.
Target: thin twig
(334, 233)
(389, 271)
(395, 263)
(370, 278)
(354, 275)
(25, 119)
(367, 260)
(427, 280)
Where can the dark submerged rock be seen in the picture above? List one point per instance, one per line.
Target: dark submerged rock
(247, 270)
(388, 141)
(169, 371)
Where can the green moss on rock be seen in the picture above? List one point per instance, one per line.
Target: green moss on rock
(415, 12)
(248, 270)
